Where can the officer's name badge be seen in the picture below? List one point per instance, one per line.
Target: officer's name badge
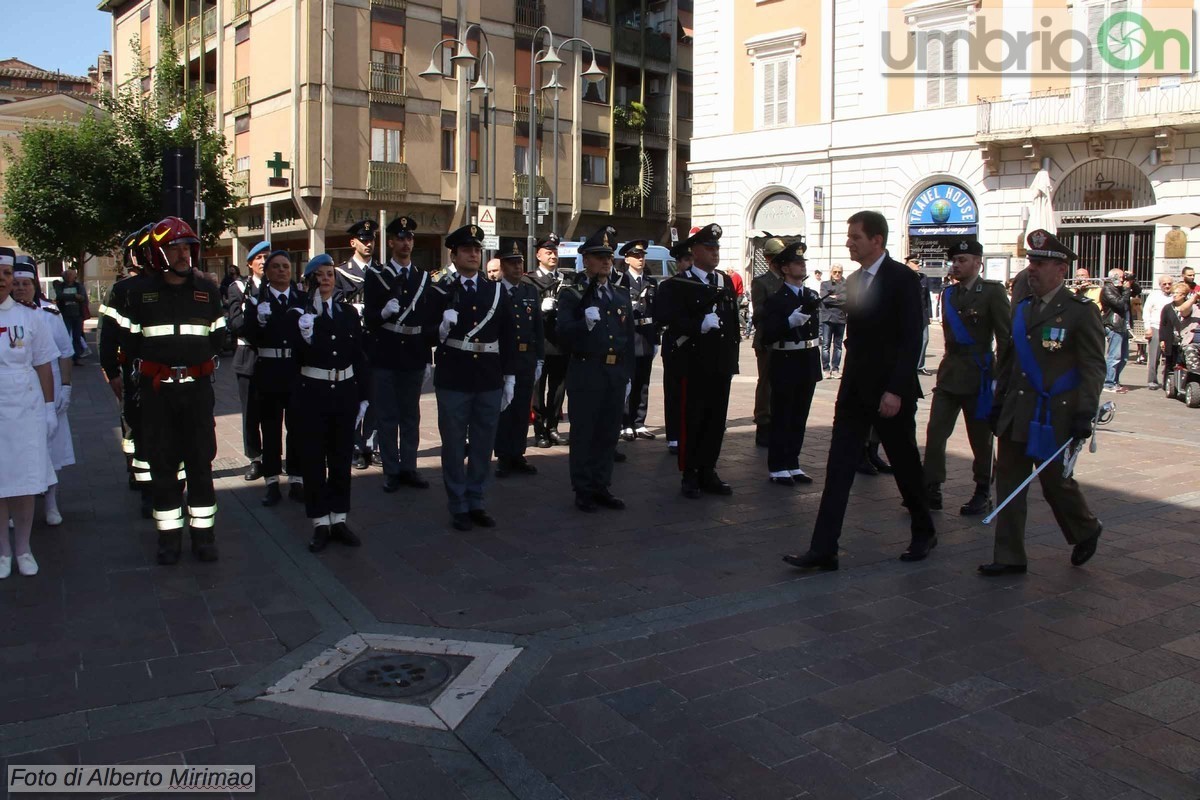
(1053, 338)
(150, 297)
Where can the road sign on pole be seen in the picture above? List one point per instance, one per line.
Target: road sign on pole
(487, 220)
(491, 242)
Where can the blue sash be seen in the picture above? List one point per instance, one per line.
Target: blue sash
(983, 403)
(1042, 444)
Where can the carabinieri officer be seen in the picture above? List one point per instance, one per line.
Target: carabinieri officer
(401, 315)
(595, 324)
(329, 401)
(791, 335)
(641, 288)
(523, 295)
(550, 388)
(474, 377)
(974, 312)
(351, 282)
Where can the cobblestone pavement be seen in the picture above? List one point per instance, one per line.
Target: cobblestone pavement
(666, 651)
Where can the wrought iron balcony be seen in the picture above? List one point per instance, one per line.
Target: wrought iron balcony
(656, 204)
(387, 180)
(241, 8)
(241, 96)
(399, 5)
(521, 182)
(388, 84)
(530, 16)
(521, 106)
(241, 183)
(658, 123)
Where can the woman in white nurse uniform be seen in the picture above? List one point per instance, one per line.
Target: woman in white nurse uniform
(27, 290)
(27, 418)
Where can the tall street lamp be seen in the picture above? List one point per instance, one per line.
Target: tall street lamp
(592, 74)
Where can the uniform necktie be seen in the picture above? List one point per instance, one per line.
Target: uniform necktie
(404, 274)
(712, 279)
(470, 286)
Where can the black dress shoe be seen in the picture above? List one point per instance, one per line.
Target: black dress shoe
(481, 518)
(502, 470)
(980, 502)
(559, 438)
(521, 466)
(877, 460)
(462, 522)
(919, 549)
(628, 435)
(320, 539)
(811, 560)
(296, 491)
(343, 534)
(691, 485)
(1085, 549)
(273, 495)
(923, 371)
(803, 477)
(865, 467)
(993, 570)
(784, 480)
(585, 502)
(542, 442)
(413, 478)
(933, 496)
(608, 500)
(360, 461)
(254, 472)
(391, 483)
(711, 483)
(642, 433)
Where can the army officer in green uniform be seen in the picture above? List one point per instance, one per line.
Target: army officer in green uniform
(974, 312)
(1047, 391)
(595, 324)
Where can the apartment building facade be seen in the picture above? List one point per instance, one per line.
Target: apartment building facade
(803, 118)
(330, 122)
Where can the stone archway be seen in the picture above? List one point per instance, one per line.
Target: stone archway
(1094, 188)
(777, 212)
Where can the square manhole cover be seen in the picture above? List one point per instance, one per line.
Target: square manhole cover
(429, 683)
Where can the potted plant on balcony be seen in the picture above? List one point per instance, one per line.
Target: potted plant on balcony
(631, 117)
(629, 197)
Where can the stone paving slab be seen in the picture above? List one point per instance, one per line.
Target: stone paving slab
(666, 651)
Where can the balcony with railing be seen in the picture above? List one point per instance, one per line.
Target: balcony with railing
(1134, 104)
(398, 5)
(521, 182)
(521, 106)
(530, 15)
(241, 96)
(630, 43)
(658, 123)
(241, 12)
(189, 34)
(656, 204)
(241, 183)
(388, 83)
(387, 180)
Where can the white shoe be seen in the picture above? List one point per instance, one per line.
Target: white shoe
(5, 567)
(53, 517)
(26, 564)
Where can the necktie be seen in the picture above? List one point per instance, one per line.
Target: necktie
(603, 294)
(404, 274)
(470, 287)
(712, 279)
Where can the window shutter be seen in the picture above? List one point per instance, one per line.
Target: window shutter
(377, 144)
(783, 76)
(949, 79)
(768, 98)
(1095, 16)
(933, 66)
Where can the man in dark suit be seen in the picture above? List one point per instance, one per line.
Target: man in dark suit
(879, 388)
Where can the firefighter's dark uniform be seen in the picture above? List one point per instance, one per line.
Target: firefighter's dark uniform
(177, 333)
(116, 363)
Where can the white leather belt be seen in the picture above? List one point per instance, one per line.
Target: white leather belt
(327, 374)
(805, 345)
(406, 330)
(474, 347)
(274, 352)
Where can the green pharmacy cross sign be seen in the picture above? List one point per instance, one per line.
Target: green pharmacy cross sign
(278, 165)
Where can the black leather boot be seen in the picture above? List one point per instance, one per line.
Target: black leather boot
(170, 545)
(980, 502)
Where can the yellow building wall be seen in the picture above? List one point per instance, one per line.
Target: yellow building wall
(751, 19)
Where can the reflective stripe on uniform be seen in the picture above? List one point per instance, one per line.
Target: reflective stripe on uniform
(127, 446)
(169, 524)
(151, 331)
(195, 330)
(182, 330)
(174, 513)
(217, 325)
(142, 477)
(201, 511)
(140, 464)
(202, 522)
(116, 316)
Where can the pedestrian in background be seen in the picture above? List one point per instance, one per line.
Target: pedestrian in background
(1116, 311)
(549, 391)
(1152, 309)
(28, 291)
(914, 264)
(833, 322)
(71, 300)
(642, 290)
(27, 417)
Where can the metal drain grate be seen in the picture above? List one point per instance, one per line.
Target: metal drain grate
(395, 675)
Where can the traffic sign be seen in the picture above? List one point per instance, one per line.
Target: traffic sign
(674, 235)
(487, 220)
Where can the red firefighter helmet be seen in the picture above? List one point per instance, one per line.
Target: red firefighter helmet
(169, 231)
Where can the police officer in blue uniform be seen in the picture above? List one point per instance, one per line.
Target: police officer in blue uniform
(329, 401)
(524, 297)
(270, 319)
(244, 356)
(550, 390)
(699, 310)
(642, 289)
(791, 334)
(351, 285)
(401, 314)
(474, 376)
(596, 325)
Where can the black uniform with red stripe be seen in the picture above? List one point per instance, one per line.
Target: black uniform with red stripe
(116, 362)
(177, 332)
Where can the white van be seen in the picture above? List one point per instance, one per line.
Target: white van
(659, 262)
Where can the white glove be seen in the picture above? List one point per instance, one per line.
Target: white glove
(362, 412)
(797, 318)
(506, 394)
(62, 400)
(428, 373)
(52, 420)
(591, 316)
(443, 331)
(711, 322)
(306, 327)
(547, 304)
(628, 389)
(264, 313)
(449, 317)
(537, 371)
(391, 309)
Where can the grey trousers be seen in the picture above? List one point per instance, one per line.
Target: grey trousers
(1153, 357)
(251, 430)
(398, 416)
(464, 416)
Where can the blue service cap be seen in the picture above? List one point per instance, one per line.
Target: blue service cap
(323, 260)
(261, 247)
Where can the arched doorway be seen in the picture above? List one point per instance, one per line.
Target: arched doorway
(941, 213)
(1094, 188)
(778, 214)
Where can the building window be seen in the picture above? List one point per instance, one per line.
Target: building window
(596, 10)
(146, 84)
(33, 84)
(941, 82)
(941, 35)
(387, 58)
(521, 159)
(5, 83)
(387, 145)
(775, 57)
(241, 33)
(595, 170)
(449, 141)
(243, 163)
(144, 13)
(597, 92)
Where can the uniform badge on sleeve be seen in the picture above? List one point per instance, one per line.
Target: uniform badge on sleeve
(200, 297)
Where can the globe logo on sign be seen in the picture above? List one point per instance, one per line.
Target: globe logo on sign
(939, 211)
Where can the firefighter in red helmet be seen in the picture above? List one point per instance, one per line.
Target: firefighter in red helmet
(174, 325)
